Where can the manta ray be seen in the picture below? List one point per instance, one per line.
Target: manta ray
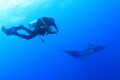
(88, 51)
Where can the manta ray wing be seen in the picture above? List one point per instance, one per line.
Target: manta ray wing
(75, 54)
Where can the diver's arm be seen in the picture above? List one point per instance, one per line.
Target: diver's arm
(55, 26)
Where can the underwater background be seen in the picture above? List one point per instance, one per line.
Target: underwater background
(80, 22)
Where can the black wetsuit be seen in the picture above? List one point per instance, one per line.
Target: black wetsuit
(39, 28)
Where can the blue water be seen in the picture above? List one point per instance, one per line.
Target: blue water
(80, 22)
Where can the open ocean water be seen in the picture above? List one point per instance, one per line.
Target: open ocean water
(80, 22)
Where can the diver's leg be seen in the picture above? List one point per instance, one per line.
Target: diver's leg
(28, 37)
(11, 30)
(20, 27)
(26, 29)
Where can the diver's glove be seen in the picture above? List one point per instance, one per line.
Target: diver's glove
(56, 31)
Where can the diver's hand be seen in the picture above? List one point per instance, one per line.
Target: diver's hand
(56, 31)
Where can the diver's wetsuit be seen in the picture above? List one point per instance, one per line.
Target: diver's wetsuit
(40, 28)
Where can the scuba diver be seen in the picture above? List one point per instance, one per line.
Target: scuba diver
(42, 26)
(90, 50)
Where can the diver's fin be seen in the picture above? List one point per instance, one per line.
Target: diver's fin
(9, 31)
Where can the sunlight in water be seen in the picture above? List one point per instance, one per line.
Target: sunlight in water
(14, 11)
(8, 4)
(11, 10)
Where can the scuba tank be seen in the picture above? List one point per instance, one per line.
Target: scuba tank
(32, 24)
